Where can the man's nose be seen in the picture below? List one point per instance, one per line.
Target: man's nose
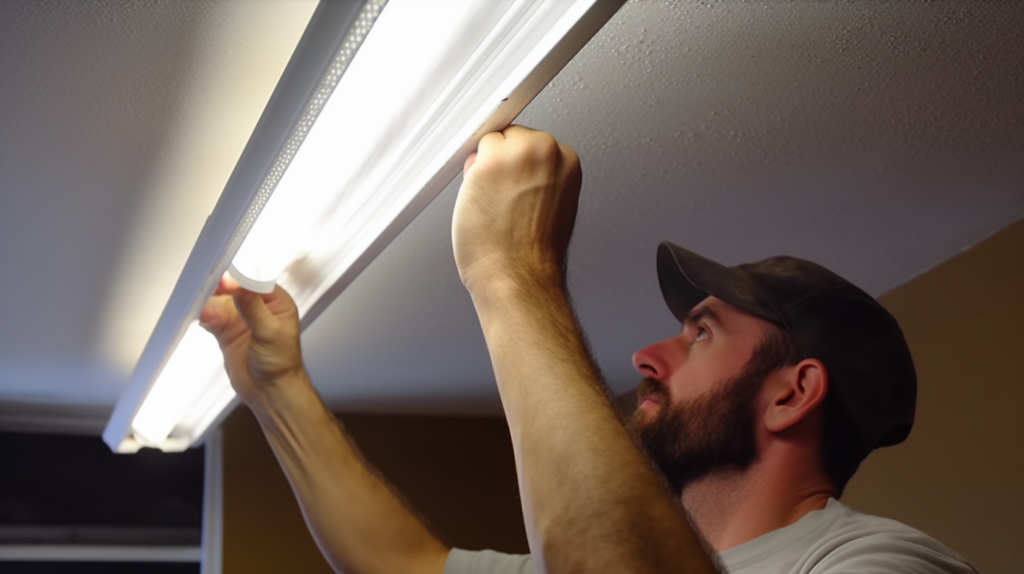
(650, 361)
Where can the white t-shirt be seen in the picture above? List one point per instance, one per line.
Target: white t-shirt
(833, 540)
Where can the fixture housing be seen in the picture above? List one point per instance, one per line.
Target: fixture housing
(374, 115)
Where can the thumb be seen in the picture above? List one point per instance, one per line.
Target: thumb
(253, 311)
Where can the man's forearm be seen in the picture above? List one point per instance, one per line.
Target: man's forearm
(591, 500)
(359, 523)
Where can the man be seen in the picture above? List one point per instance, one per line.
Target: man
(783, 377)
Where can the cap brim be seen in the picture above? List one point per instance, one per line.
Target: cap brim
(686, 279)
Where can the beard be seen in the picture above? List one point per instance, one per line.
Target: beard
(714, 432)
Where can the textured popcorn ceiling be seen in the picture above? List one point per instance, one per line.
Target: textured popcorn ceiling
(878, 138)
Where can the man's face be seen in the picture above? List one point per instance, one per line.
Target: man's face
(697, 409)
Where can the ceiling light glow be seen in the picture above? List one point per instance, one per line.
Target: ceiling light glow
(404, 101)
(190, 370)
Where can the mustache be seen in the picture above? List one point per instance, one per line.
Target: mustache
(649, 387)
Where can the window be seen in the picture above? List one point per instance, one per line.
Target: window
(70, 505)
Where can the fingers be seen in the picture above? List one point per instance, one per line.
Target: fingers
(266, 313)
(515, 130)
(217, 315)
(253, 310)
(231, 302)
(219, 310)
(488, 145)
(520, 148)
(226, 285)
(279, 302)
(517, 144)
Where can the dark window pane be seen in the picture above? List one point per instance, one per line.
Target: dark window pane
(55, 480)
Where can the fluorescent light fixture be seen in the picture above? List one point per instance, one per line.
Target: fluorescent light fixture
(372, 119)
(190, 370)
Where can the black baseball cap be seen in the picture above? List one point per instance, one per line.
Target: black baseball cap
(861, 345)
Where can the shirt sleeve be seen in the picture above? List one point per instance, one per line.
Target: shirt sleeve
(487, 562)
(881, 554)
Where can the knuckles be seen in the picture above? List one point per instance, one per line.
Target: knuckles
(538, 149)
(521, 148)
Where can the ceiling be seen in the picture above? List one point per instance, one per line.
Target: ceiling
(878, 138)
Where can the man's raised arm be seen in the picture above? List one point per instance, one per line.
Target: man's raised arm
(591, 500)
(359, 523)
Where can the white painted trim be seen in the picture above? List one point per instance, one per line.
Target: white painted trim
(213, 504)
(64, 553)
(52, 418)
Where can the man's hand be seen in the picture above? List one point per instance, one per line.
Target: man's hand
(591, 500)
(359, 524)
(516, 209)
(258, 334)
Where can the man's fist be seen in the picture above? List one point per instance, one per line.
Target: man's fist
(259, 336)
(516, 209)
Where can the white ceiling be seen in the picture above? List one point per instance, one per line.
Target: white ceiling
(878, 138)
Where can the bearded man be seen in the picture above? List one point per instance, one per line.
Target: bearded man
(750, 421)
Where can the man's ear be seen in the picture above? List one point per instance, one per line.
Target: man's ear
(795, 392)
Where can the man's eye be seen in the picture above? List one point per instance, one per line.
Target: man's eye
(702, 334)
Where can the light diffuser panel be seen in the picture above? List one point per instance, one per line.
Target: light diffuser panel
(364, 158)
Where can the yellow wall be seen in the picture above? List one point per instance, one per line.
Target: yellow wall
(263, 528)
(960, 475)
(458, 473)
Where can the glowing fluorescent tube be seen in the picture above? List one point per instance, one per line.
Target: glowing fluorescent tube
(370, 149)
(426, 79)
(194, 363)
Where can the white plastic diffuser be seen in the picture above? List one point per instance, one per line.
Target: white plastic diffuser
(309, 206)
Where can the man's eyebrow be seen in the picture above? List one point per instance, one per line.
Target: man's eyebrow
(703, 314)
